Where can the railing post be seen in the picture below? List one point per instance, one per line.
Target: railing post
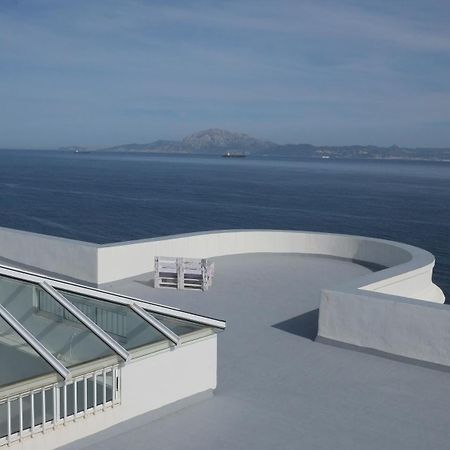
(85, 396)
(8, 412)
(65, 402)
(55, 405)
(95, 391)
(114, 386)
(32, 413)
(75, 400)
(20, 417)
(119, 385)
(43, 410)
(104, 389)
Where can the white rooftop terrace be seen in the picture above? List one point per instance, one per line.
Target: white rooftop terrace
(277, 387)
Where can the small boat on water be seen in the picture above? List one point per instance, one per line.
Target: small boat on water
(82, 151)
(234, 155)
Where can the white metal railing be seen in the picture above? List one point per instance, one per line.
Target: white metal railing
(38, 410)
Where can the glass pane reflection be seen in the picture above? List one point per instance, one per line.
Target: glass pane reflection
(19, 361)
(60, 332)
(119, 321)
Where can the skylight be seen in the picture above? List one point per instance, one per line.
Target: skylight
(50, 325)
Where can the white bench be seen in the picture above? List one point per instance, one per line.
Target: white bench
(183, 273)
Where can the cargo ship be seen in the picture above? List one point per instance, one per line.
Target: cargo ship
(234, 155)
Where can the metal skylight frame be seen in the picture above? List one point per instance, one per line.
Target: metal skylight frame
(69, 306)
(143, 309)
(167, 332)
(34, 343)
(100, 294)
(86, 321)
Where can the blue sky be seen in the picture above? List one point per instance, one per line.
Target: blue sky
(98, 73)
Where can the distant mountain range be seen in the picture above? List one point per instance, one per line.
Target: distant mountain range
(216, 142)
(212, 141)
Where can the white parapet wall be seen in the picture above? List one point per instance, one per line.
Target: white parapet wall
(127, 259)
(387, 324)
(408, 270)
(74, 259)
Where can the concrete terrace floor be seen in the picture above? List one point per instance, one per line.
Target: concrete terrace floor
(277, 388)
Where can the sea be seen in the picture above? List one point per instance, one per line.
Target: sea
(111, 197)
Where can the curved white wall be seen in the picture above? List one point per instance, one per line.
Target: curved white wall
(409, 269)
(382, 311)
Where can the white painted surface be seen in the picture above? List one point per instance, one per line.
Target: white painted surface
(148, 383)
(374, 310)
(73, 259)
(277, 388)
(127, 259)
(409, 268)
(394, 325)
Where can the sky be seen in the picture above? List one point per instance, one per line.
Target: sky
(105, 72)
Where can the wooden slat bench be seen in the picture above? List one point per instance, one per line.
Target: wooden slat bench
(183, 273)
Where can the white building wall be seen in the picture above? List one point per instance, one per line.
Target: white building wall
(394, 325)
(66, 257)
(148, 383)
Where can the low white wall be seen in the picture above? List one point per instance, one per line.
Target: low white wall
(127, 259)
(398, 326)
(409, 274)
(418, 282)
(73, 259)
(409, 270)
(148, 383)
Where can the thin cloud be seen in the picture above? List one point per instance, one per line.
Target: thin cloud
(150, 69)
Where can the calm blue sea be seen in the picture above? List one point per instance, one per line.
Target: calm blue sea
(114, 197)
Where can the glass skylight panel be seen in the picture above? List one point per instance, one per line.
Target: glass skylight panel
(119, 321)
(178, 326)
(19, 361)
(71, 342)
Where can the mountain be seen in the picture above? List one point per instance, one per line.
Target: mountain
(211, 141)
(215, 141)
(160, 146)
